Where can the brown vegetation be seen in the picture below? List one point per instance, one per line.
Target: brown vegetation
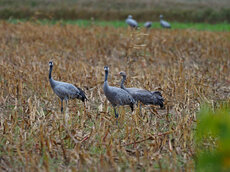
(188, 67)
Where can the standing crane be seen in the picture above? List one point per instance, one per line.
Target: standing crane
(144, 96)
(115, 95)
(131, 22)
(65, 91)
(164, 23)
(148, 24)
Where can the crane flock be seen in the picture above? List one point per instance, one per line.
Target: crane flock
(117, 96)
(133, 23)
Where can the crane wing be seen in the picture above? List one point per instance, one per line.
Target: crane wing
(66, 90)
(165, 24)
(146, 97)
(118, 96)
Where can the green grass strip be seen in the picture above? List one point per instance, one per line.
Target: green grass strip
(88, 23)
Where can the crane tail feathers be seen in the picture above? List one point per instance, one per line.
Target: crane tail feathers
(159, 98)
(156, 92)
(131, 106)
(82, 95)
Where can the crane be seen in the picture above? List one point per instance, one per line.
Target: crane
(65, 91)
(144, 96)
(115, 95)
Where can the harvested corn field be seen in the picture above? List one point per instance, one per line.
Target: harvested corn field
(188, 67)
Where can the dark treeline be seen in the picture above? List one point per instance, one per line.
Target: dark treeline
(205, 15)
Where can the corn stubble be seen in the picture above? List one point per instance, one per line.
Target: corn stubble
(188, 67)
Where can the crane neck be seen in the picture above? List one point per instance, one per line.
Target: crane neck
(52, 81)
(106, 85)
(106, 75)
(122, 82)
(50, 72)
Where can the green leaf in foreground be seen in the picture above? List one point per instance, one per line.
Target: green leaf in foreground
(213, 139)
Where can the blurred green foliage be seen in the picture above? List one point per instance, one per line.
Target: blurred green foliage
(213, 138)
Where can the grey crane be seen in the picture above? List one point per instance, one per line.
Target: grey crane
(131, 22)
(164, 23)
(148, 24)
(144, 96)
(115, 95)
(65, 91)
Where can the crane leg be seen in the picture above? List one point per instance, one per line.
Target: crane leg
(140, 110)
(116, 114)
(66, 105)
(139, 107)
(131, 106)
(61, 105)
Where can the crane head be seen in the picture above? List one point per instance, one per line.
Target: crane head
(130, 17)
(106, 68)
(50, 63)
(161, 16)
(122, 73)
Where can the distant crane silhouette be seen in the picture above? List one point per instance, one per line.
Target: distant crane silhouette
(65, 91)
(115, 95)
(131, 22)
(144, 96)
(164, 23)
(148, 24)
